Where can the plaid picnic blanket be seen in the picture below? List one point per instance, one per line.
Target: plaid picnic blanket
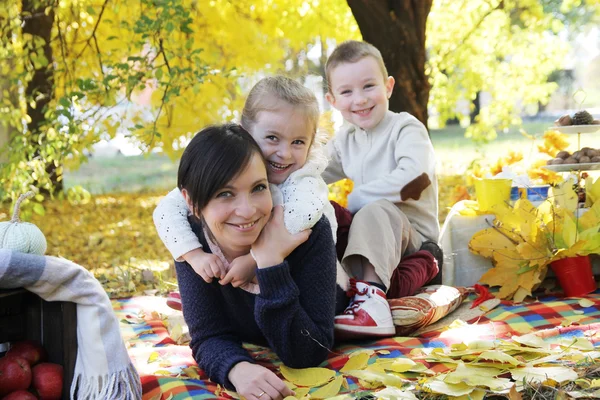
(168, 369)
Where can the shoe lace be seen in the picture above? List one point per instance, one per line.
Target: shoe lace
(352, 291)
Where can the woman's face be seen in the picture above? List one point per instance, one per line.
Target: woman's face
(238, 212)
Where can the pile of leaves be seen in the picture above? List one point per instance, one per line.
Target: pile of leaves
(523, 240)
(475, 370)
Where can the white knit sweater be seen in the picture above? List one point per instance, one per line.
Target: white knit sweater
(304, 196)
(394, 161)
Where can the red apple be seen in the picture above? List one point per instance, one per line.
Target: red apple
(48, 380)
(15, 374)
(20, 395)
(30, 350)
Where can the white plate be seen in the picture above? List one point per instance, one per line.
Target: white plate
(573, 167)
(576, 128)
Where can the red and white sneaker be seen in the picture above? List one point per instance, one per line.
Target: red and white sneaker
(367, 315)
(174, 301)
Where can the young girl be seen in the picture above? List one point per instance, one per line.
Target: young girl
(282, 116)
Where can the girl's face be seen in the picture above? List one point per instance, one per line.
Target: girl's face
(238, 212)
(284, 137)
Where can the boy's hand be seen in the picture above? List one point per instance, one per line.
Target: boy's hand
(241, 271)
(275, 242)
(207, 265)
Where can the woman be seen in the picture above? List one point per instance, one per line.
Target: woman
(223, 178)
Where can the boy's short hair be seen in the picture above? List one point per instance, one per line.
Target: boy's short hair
(352, 51)
(280, 88)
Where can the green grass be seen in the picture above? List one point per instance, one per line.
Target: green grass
(120, 174)
(454, 153)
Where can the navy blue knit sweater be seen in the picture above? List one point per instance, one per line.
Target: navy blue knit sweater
(294, 310)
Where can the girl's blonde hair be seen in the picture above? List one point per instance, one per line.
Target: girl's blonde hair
(268, 92)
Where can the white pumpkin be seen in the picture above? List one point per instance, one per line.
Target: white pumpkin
(21, 236)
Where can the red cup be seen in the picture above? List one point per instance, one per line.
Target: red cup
(575, 275)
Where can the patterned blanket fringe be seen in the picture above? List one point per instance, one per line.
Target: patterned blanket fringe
(122, 385)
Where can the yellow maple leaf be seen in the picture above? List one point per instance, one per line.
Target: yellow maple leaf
(329, 390)
(359, 361)
(307, 376)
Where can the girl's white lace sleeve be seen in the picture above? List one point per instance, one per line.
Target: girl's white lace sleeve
(306, 196)
(171, 221)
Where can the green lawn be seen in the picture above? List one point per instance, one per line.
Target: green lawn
(157, 172)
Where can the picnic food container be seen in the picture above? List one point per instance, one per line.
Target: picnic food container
(575, 275)
(491, 192)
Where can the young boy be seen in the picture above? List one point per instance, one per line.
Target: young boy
(391, 161)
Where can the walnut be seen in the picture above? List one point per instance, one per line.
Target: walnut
(593, 153)
(596, 159)
(563, 154)
(584, 159)
(571, 160)
(577, 155)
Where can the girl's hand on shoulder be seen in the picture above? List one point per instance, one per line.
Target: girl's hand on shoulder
(275, 243)
(207, 265)
(255, 382)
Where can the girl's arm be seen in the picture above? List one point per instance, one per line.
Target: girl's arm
(306, 195)
(171, 221)
(304, 199)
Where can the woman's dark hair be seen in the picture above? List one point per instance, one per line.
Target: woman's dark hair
(215, 156)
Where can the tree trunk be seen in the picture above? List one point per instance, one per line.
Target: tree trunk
(41, 87)
(397, 29)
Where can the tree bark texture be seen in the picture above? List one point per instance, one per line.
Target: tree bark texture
(397, 29)
(41, 87)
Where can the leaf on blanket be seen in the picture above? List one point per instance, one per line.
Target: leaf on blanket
(301, 392)
(162, 372)
(531, 340)
(572, 319)
(586, 303)
(542, 374)
(191, 372)
(449, 389)
(329, 390)
(499, 356)
(307, 376)
(474, 376)
(357, 362)
(392, 393)
(154, 356)
(373, 379)
(577, 343)
(477, 394)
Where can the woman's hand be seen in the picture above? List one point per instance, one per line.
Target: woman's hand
(255, 382)
(275, 243)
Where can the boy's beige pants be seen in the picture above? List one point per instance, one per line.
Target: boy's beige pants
(381, 233)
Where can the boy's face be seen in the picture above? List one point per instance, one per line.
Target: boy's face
(360, 92)
(284, 138)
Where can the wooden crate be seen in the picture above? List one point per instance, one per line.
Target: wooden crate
(24, 315)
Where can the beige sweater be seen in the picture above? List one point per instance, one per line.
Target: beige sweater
(393, 161)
